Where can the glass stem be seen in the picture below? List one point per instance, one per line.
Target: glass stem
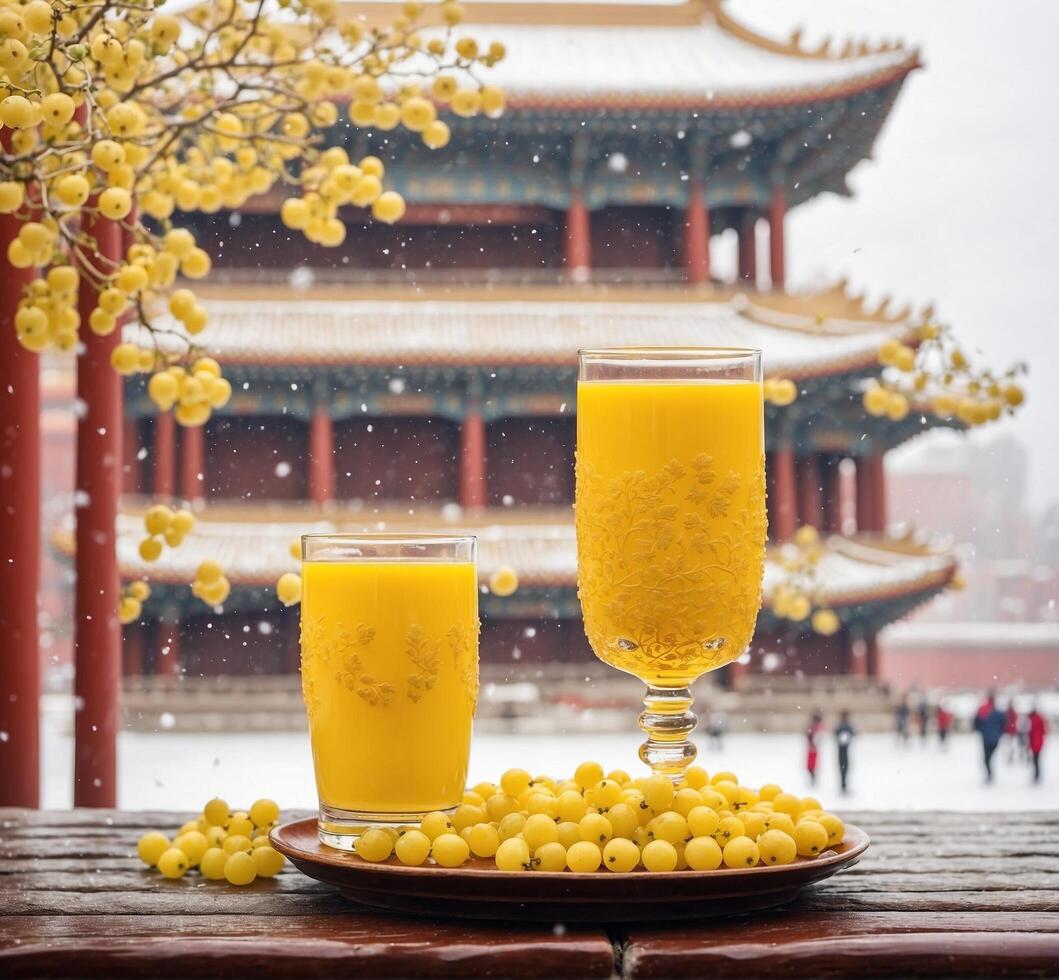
(667, 720)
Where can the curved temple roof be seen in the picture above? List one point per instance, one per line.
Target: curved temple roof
(852, 571)
(797, 342)
(655, 53)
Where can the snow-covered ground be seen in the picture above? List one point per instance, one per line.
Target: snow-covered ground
(182, 771)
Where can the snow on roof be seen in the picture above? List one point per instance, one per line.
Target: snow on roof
(257, 553)
(704, 63)
(444, 332)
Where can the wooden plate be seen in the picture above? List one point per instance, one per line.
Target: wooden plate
(479, 891)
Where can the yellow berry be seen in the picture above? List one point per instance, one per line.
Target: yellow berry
(412, 848)
(504, 582)
(388, 207)
(374, 845)
(810, 837)
(193, 844)
(173, 863)
(268, 862)
(212, 864)
(703, 854)
(450, 850)
(264, 812)
(741, 852)
(549, 857)
(240, 868)
(151, 847)
(659, 855)
(512, 855)
(777, 847)
(584, 857)
(620, 855)
(237, 842)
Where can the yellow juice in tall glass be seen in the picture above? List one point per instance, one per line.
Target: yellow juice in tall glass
(670, 514)
(390, 679)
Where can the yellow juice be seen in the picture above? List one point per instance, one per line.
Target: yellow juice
(670, 515)
(390, 679)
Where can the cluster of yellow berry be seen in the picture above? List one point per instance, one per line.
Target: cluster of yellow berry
(195, 391)
(133, 596)
(164, 526)
(211, 585)
(793, 599)
(780, 391)
(221, 844)
(333, 182)
(47, 314)
(594, 820)
(935, 373)
(120, 111)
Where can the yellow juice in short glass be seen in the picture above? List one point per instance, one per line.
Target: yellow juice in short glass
(670, 514)
(390, 680)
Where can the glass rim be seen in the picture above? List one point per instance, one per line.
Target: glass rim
(392, 537)
(689, 353)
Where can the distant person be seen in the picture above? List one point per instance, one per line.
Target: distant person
(901, 715)
(989, 722)
(1011, 730)
(923, 717)
(1038, 729)
(844, 733)
(943, 721)
(812, 746)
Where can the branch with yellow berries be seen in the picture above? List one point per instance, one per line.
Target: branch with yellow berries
(119, 111)
(934, 374)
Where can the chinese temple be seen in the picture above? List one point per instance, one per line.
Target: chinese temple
(425, 373)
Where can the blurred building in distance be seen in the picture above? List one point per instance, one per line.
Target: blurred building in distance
(424, 374)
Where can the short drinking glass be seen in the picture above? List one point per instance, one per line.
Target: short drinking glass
(389, 675)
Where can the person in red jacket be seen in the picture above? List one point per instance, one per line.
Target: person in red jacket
(1038, 728)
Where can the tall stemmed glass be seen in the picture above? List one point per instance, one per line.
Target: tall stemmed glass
(670, 514)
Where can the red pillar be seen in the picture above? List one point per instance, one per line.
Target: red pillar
(697, 237)
(19, 542)
(832, 483)
(164, 454)
(777, 257)
(810, 492)
(871, 493)
(193, 463)
(321, 457)
(578, 235)
(748, 249)
(473, 490)
(736, 672)
(878, 478)
(167, 652)
(784, 512)
(97, 633)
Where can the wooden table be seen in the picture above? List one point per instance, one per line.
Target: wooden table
(938, 893)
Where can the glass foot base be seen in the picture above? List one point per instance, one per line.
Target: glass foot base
(341, 828)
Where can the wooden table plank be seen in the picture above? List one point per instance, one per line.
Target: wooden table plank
(77, 901)
(976, 894)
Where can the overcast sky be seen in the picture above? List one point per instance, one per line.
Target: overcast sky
(960, 206)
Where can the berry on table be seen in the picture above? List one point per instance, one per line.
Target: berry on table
(151, 847)
(702, 854)
(240, 869)
(173, 863)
